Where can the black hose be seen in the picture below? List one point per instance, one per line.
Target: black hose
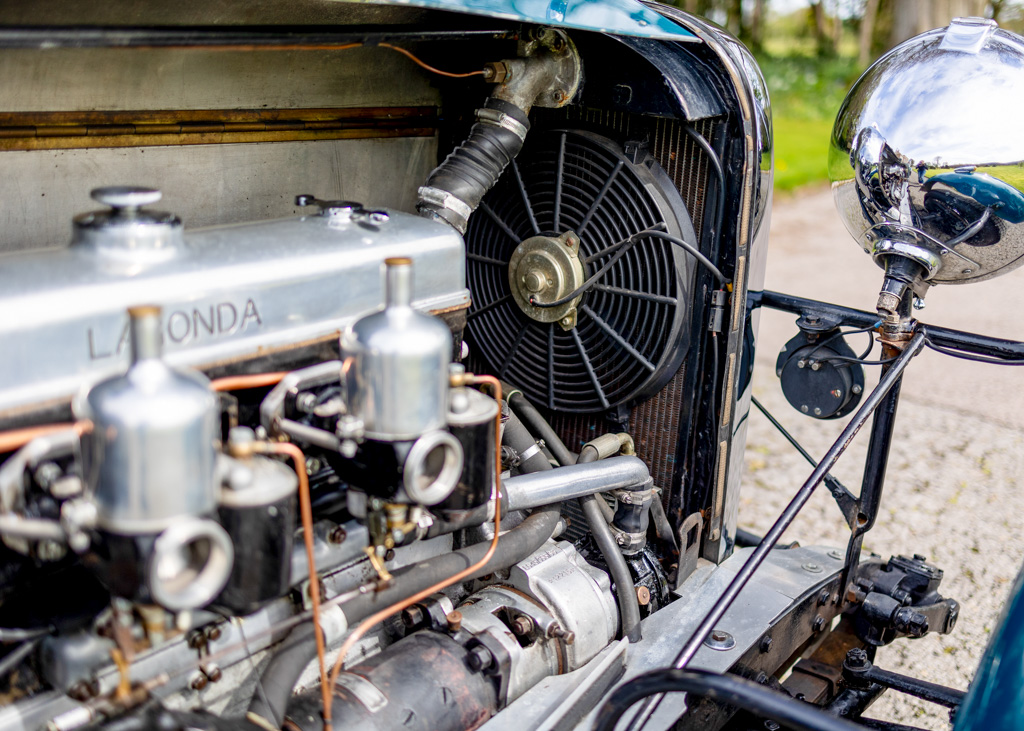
(539, 426)
(629, 605)
(726, 689)
(474, 167)
(662, 528)
(518, 437)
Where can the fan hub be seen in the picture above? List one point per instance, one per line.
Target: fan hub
(545, 269)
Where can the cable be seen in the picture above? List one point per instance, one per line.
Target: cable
(716, 163)
(428, 67)
(726, 689)
(383, 614)
(255, 380)
(621, 248)
(692, 251)
(971, 356)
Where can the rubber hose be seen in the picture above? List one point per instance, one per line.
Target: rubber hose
(629, 605)
(727, 689)
(540, 427)
(519, 438)
(474, 167)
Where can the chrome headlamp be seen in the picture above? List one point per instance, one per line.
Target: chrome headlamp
(927, 159)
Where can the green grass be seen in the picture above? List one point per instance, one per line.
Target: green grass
(806, 93)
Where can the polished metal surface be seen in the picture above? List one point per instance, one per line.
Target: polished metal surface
(395, 362)
(432, 468)
(149, 458)
(127, 231)
(574, 481)
(190, 564)
(255, 481)
(926, 158)
(229, 293)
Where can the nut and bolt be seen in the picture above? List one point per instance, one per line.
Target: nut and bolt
(337, 535)
(305, 402)
(212, 632)
(771, 725)
(857, 388)
(720, 640)
(835, 554)
(212, 672)
(801, 363)
(555, 630)
(819, 623)
(643, 595)
(479, 658)
(621, 539)
(857, 658)
(812, 567)
(389, 554)
(197, 640)
(815, 366)
(522, 626)
(765, 645)
(454, 620)
(412, 616)
(817, 411)
(84, 690)
(823, 597)
(198, 681)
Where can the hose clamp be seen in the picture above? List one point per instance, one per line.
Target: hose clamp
(500, 119)
(528, 453)
(444, 199)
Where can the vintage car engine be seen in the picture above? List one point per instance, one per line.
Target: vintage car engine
(465, 454)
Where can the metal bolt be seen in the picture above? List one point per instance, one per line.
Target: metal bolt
(535, 281)
(801, 363)
(213, 632)
(819, 623)
(412, 616)
(770, 725)
(835, 554)
(817, 411)
(212, 672)
(823, 597)
(813, 568)
(765, 645)
(857, 388)
(643, 595)
(389, 554)
(197, 640)
(556, 630)
(567, 321)
(522, 625)
(479, 658)
(198, 681)
(337, 535)
(857, 658)
(305, 402)
(621, 539)
(454, 620)
(720, 640)
(761, 678)
(804, 408)
(918, 303)
(815, 366)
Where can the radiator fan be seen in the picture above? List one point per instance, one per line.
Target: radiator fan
(552, 223)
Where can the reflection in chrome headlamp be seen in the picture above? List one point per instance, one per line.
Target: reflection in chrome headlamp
(927, 158)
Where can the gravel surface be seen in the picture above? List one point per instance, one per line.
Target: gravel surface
(952, 491)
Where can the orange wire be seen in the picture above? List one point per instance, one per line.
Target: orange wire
(465, 573)
(306, 509)
(18, 438)
(256, 380)
(428, 67)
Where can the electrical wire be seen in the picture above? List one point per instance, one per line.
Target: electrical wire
(971, 356)
(383, 614)
(428, 67)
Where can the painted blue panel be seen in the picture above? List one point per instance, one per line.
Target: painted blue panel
(623, 17)
(995, 701)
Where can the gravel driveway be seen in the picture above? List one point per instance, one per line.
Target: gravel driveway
(952, 491)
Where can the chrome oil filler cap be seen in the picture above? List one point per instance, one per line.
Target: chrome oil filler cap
(126, 230)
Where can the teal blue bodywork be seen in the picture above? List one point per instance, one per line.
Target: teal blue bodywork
(1004, 200)
(622, 17)
(995, 701)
